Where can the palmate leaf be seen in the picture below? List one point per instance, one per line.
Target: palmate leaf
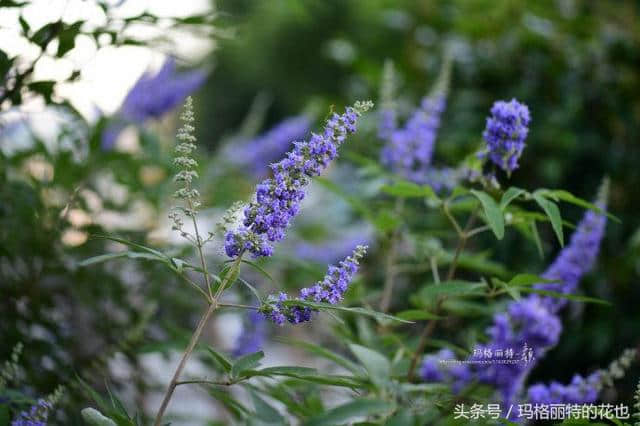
(379, 316)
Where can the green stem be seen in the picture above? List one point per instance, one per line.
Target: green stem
(194, 340)
(390, 274)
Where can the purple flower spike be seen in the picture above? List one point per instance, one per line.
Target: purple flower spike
(409, 150)
(152, 96)
(506, 131)
(277, 199)
(330, 290)
(580, 391)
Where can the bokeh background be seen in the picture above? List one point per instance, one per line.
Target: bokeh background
(575, 64)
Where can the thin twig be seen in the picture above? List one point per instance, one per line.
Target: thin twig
(431, 325)
(389, 280)
(205, 382)
(462, 241)
(236, 305)
(433, 262)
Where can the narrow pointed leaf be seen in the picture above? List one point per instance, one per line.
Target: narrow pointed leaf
(492, 212)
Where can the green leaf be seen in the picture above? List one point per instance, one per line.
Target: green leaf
(259, 269)
(5, 64)
(528, 279)
(222, 360)
(558, 295)
(359, 311)
(96, 418)
(417, 314)
(553, 213)
(24, 25)
(110, 256)
(347, 412)
(264, 411)
(134, 245)
(536, 238)
(376, 364)
(246, 362)
(46, 33)
(67, 38)
(288, 371)
(455, 288)
(230, 403)
(5, 419)
(325, 353)
(510, 195)
(563, 195)
(492, 212)
(406, 189)
(251, 288)
(43, 88)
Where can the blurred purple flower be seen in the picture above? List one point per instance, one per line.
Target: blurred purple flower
(36, 415)
(409, 149)
(256, 154)
(251, 338)
(580, 391)
(443, 367)
(152, 96)
(387, 123)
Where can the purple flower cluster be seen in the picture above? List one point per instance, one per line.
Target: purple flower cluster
(152, 96)
(330, 290)
(387, 122)
(256, 154)
(409, 149)
(278, 199)
(506, 131)
(533, 321)
(442, 367)
(580, 391)
(252, 337)
(36, 415)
